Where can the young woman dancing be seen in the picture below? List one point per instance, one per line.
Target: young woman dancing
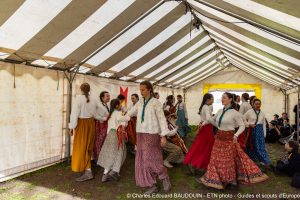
(229, 164)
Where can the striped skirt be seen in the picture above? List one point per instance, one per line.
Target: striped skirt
(83, 144)
(101, 132)
(111, 156)
(149, 160)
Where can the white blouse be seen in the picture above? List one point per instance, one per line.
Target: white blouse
(231, 120)
(102, 112)
(166, 107)
(250, 118)
(182, 106)
(82, 109)
(154, 119)
(245, 106)
(115, 120)
(206, 114)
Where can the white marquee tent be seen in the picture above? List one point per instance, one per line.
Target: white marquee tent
(182, 47)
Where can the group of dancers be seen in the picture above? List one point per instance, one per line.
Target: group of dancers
(229, 157)
(101, 131)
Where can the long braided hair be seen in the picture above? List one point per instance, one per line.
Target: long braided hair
(85, 88)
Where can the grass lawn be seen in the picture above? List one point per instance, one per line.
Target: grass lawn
(57, 182)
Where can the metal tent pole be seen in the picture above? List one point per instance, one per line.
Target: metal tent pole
(70, 77)
(297, 114)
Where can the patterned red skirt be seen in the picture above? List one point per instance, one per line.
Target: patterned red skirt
(242, 139)
(101, 133)
(230, 164)
(149, 160)
(199, 153)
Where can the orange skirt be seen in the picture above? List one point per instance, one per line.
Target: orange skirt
(83, 144)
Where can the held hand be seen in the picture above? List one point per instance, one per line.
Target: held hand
(71, 132)
(200, 125)
(252, 125)
(163, 141)
(235, 139)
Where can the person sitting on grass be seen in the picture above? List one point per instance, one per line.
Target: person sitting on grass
(285, 129)
(290, 164)
(282, 118)
(273, 134)
(276, 118)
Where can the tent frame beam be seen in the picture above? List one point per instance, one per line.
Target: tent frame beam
(255, 24)
(178, 70)
(118, 35)
(260, 66)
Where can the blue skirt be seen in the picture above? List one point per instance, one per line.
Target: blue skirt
(182, 123)
(258, 151)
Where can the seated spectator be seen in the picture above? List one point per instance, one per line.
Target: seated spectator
(276, 118)
(290, 164)
(282, 118)
(285, 129)
(273, 134)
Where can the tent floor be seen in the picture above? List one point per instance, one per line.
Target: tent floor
(57, 182)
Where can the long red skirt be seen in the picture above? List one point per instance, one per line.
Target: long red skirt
(230, 164)
(242, 139)
(149, 160)
(131, 130)
(101, 133)
(199, 153)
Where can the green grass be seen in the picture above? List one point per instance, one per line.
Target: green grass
(3, 189)
(13, 197)
(58, 180)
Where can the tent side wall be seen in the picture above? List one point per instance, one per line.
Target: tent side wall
(33, 114)
(272, 98)
(31, 120)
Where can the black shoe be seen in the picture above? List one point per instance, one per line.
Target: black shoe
(198, 180)
(233, 185)
(114, 176)
(192, 170)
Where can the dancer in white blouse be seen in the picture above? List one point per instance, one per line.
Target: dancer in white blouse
(198, 155)
(245, 106)
(82, 124)
(256, 121)
(229, 164)
(102, 114)
(113, 153)
(151, 131)
(182, 117)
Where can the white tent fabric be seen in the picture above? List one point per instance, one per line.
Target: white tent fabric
(32, 121)
(179, 44)
(272, 97)
(162, 41)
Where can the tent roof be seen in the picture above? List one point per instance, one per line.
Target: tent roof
(171, 43)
